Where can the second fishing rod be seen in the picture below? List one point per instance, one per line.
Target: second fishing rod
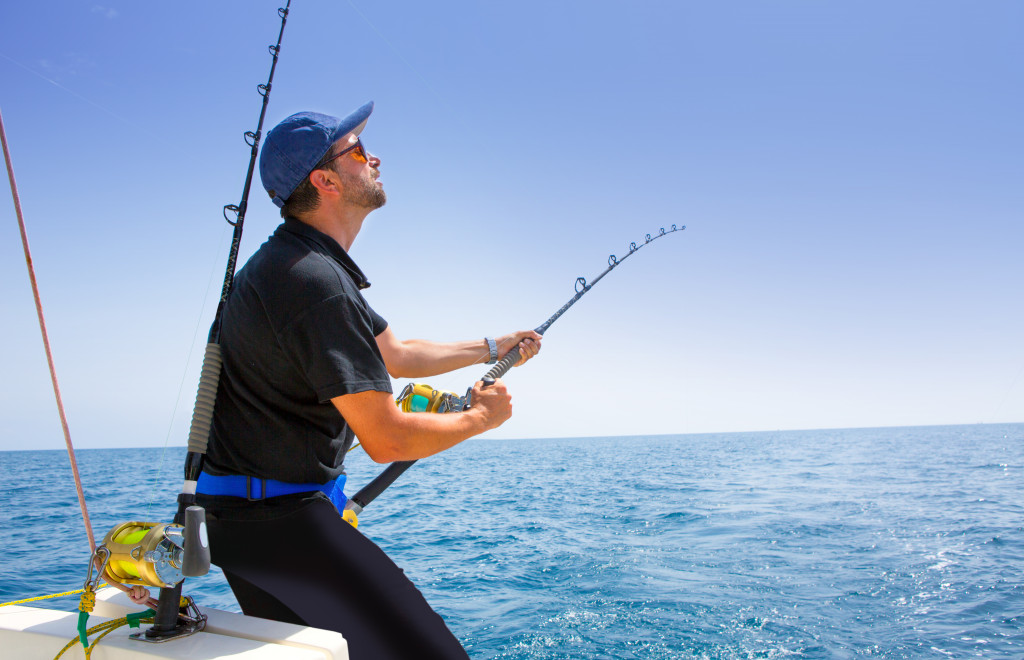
(418, 397)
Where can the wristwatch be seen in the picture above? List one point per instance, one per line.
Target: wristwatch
(492, 346)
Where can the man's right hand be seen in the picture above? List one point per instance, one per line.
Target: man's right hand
(493, 402)
(388, 434)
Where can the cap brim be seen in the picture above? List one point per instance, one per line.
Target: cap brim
(354, 123)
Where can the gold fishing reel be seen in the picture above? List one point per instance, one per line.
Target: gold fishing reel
(420, 397)
(158, 554)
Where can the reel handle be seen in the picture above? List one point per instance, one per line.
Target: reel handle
(196, 561)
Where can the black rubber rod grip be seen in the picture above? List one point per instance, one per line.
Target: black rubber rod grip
(506, 363)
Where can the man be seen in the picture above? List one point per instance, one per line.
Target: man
(306, 365)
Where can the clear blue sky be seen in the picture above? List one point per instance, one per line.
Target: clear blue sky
(850, 175)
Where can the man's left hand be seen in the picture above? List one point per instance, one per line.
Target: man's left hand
(528, 342)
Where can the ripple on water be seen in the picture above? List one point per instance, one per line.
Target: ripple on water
(888, 543)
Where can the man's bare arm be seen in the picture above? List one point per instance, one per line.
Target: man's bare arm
(388, 434)
(419, 358)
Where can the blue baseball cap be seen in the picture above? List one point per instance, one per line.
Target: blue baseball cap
(294, 147)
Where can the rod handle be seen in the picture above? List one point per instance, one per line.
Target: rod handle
(506, 363)
(206, 397)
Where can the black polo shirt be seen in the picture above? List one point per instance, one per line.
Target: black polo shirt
(296, 332)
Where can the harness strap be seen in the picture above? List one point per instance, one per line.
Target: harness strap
(255, 489)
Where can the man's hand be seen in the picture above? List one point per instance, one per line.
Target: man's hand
(493, 402)
(388, 434)
(528, 342)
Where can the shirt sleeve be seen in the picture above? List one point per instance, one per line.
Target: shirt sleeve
(333, 344)
(377, 322)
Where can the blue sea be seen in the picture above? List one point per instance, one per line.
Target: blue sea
(888, 543)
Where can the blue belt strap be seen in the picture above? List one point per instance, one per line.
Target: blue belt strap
(253, 489)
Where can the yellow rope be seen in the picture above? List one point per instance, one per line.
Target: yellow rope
(32, 600)
(104, 629)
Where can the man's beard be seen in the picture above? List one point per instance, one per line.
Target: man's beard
(364, 192)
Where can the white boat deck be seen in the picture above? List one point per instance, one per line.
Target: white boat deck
(30, 633)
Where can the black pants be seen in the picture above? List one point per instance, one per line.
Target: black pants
(294, 559)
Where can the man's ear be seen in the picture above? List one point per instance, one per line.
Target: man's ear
(324, 183)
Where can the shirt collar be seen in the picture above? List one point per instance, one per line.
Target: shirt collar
(328, 246)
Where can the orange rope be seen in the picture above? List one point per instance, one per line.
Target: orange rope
(46, 339)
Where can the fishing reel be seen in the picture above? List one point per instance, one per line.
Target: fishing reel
(152, 555)
(157, 554)
(420, 397)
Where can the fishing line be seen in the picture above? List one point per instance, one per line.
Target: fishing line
(134, 126)
(158, 474)
(449, 402)
(408, 64)
(451, 377)
(1006, 396)
(162, 139)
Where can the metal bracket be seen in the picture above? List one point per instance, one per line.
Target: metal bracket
(189, 623)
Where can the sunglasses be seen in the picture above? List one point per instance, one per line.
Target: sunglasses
(358, 148)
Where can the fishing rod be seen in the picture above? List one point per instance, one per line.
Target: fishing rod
(443, 402)
(196, 553)
(202, 418)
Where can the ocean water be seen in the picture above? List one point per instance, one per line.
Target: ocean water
(888, 543)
